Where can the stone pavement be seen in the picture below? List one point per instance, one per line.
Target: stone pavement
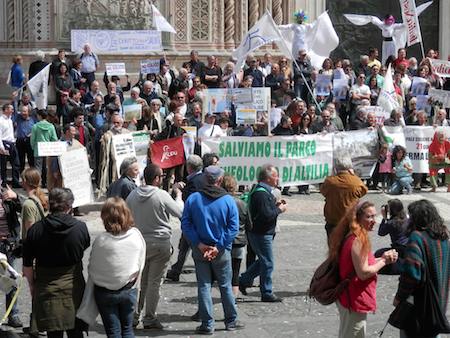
(300, 246)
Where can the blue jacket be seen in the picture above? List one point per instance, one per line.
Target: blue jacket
(17, 77)
(211, 221)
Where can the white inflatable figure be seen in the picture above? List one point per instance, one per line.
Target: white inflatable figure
(318, 38)
(395, 35)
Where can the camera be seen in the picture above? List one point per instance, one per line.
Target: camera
(385, 207)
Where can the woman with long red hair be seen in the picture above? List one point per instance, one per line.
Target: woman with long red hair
(350, 246)
(439, 158)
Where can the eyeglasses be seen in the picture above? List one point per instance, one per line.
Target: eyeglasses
(361, 77)
(180, 97)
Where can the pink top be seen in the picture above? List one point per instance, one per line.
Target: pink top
(386, 166)
(363, 295)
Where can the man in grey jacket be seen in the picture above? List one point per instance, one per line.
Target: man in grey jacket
(151, 208)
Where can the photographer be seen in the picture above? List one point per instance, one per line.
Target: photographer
(9, 242)
(394, 224)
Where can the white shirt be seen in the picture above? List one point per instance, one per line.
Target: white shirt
(6, 130)
(210, 130)
(360, 90)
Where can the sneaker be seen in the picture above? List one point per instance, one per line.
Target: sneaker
(14, 321)
(271, 299)
(233, 326)
(155, 325)
(204, 330)
(196, 317)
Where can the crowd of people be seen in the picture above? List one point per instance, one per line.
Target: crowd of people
(216, 224)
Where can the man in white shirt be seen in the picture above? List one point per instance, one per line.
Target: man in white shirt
(8, 150)
(358, 93)
(89, 64)
(209, 128)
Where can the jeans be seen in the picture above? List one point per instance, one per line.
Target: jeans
(263, 266)
(116, 309)
(221, 268)
(13, 158)
(157, 259)
(400, 183)
(40, 163)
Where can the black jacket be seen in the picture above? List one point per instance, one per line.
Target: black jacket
(193, 184)
(121, 188)
(12, 209)
(264, 212)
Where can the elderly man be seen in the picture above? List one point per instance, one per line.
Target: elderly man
(275, 78)
(148, 94)
(441, 119)
(341, 192)
(151, 208)
(90, 95)
(90, 63)
(325, 124)
(305, 70)
(134, 98)
(129, 171)
(264, 211)
(180, 84)
(254, 72)
(211, 75)
(23, 132)
(211, 222)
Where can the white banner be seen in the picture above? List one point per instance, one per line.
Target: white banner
(51, 148)
(150, 66)
(117, 68)
(442, 96)
(411, 20)
(117, 41)
(441, 67)
(361, 146)
(418, 139)
(76, 175)
(300, 159)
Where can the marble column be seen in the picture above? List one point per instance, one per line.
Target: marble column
(229, 24)
(253, 12)
(444, 32)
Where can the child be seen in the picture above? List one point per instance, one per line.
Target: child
(385, 166)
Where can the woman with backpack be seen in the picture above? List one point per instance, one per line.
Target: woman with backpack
(350, 246)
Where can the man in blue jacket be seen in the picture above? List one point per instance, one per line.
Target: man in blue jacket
(211, 222)
(264, 211)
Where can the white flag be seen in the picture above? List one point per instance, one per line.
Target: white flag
(411, 21)
(263, 32)
(160, 22)
(38, 86)
(388, 98)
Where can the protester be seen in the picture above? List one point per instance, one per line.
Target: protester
(427, 259)
(194, 182)
(129, 172)
(438, 158)
(90, 63)
(350, 246)
(264, 211)
(211, 222)
(385, 167)
(9, 237)
(8, 149)
(24, 125)
(341, 192)
(115, 266)
(402, 170)
(238, 248)
(52, 264)
(35, 207)
(151, 207)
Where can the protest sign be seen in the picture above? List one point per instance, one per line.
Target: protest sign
(419, 86)
(150, 66)
(418, 139)
(323, 84)
(117, 68)
(76, 175)
(123, 147)
(189, 140)
(261, 99)
(441, 67)
(56, 148)
(274, 117)
(141, 141)
(442, 96)
(190, 130)
(116, 41)
(340, 88)
(245, 116)
(423, 104)
(168, 153)
(132, 111)
(299, 159)
(359, 145)
(380, 114)
(242, 95)
(217, 101)
(339, 74)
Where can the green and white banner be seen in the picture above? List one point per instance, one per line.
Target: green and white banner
(300, 159)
